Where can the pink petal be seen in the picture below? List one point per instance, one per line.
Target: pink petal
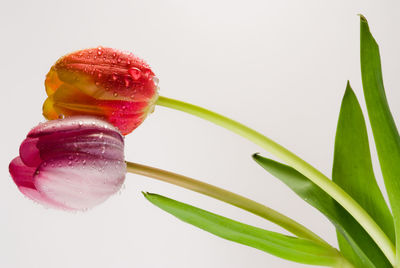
(101, 144)
(80, 183)
(23, 178)
(71, 124)
(21, 174)
(29, 152)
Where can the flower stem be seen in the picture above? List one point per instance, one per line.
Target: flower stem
(297, 163)
(228, 197)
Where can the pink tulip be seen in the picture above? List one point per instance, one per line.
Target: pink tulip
(72, 164)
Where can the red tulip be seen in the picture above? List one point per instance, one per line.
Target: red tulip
(73, 163)
(115, 86)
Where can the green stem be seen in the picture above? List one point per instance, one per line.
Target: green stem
(228, 197)
(296, 162)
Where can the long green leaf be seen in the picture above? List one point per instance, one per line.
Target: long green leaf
(386, 136)
(287, 247)
(353, 171)
(368, 252)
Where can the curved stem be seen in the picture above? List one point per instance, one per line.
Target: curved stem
(228, 197)
(297, 163)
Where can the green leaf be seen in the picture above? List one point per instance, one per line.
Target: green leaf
(368, 252)
(386, 136)
(287, 247)
(353, 171)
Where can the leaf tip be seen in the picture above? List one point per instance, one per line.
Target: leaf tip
(148, 195)
(349, 96)
(348, 90)
(362, 18)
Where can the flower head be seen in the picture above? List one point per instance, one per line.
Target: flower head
(73, 163)
(115, 86)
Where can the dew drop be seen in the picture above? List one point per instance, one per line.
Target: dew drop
(61, 116)
(101, 135)
(114, 77)
(151, 109)
(99, 51)
(127, 82)
(155, 80)
(69, 163)
(115, 94)
(97, 83)
(103, 149)
(135, 73)
(114, 55)
(119, 60)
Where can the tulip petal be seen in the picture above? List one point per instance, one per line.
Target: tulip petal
(22, 174)
(80, 181)
(29, 152)
(84, 135)
(72, 124)
(23, 178)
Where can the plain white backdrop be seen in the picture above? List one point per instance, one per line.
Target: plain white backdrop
(278, 66)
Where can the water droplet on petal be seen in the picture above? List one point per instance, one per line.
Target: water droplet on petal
(99, 51)
(119, 60)
(135, 73)
(127, 82)
(155, 80)
(115, 94)
(114, 77)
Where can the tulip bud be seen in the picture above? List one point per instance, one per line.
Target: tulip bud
(73, 163)
(115, 86)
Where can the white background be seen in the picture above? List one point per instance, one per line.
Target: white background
(278, 66)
